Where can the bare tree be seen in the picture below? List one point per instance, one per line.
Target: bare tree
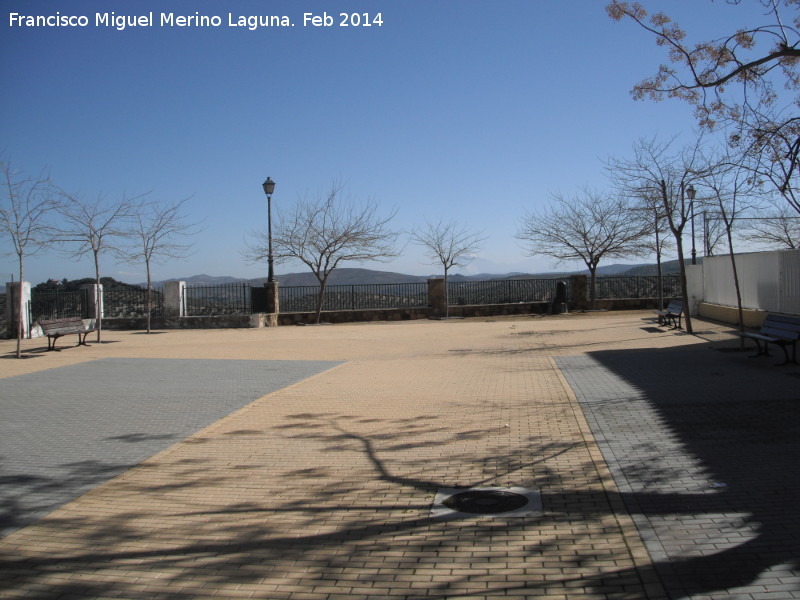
(714, 234)
(729, 186)
(589, 227)
(773, 148)
(324, 233)
(27, 204)
(92, 225)
(449, 244)
(156, 231)
(658, 170)
(777, 227)
(651, 210)
(735, 81)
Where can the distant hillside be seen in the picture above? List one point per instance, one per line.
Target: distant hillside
(343, 276)
(670, 267)
(354, 276)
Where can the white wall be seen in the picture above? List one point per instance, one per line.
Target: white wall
(769, 281)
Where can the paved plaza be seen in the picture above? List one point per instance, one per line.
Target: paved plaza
(304, 463)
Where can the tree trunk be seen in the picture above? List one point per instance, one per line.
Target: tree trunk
(736, 285)
(20, 308)
(320, 299)
(678, 233)
(684, 290)
(659, 270)
(97, 298)
(149, 300)
(446, 297)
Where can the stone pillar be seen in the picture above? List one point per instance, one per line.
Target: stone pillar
(12, 308)
(437, 298)
(175, 298)
(580, 291)
(273, 303)
(94, 295)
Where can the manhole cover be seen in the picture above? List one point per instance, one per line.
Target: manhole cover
(487, 502)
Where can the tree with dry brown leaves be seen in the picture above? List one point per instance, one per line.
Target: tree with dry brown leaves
(747, 81)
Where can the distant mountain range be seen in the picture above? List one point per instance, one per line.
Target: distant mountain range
(353, 276)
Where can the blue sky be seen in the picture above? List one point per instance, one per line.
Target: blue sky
(472, 110)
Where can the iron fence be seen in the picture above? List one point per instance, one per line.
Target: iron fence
(506, 291)
(219, 299)
(354, 297)
(55, 304)
(225, 299)
(628, 287)
(129, 302)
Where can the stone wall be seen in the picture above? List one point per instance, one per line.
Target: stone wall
(171, 322)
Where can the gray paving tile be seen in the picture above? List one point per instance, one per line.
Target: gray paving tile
(65, 430)
(703, 447)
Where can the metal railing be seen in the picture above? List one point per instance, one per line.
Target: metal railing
(506, 291)
(628, 287)
(121, 302)
(219, 299)
(55, 304)
(354, 297)
(236, 298)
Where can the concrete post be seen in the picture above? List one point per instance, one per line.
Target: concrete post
(12, 308)
(437, 298)
(273, 303)
(175, 298)
(94, 294)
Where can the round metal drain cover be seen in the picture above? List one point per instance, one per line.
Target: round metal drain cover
(485, 502)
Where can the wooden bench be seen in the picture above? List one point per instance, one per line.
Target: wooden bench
(55, 328)
(671, 315)
(782, 330)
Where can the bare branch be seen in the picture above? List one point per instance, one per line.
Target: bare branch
(449, 244)
(589, 227)
(329, 231)
(25, 207)
(156, 231)
(89, 226)
(755, 59)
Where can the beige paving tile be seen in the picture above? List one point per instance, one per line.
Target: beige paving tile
(323, 489)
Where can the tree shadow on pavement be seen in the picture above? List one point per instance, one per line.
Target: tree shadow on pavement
(704, 446)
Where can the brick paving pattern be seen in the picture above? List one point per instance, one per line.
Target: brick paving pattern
(322, 489)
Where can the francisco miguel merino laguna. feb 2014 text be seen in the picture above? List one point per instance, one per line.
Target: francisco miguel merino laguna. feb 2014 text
(251, 22)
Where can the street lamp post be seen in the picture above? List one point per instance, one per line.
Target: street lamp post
(269, 187)
(690, 192)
